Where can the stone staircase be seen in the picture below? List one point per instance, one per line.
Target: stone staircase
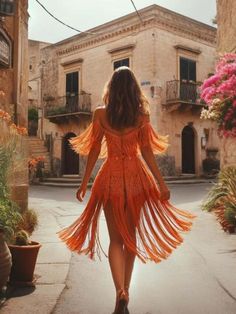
(37, 148)
(66, 181)
(74, 181)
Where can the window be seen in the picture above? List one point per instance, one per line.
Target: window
(120, 63)
(72, 83)
(187, 69)
(72, 91)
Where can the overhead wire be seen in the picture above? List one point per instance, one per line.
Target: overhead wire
(139, 15)
(77, 30)
(63, 23)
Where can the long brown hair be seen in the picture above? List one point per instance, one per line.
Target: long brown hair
(124, 99)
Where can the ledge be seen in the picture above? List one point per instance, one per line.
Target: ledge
(193, 50)
(79, 60)
(121, 48)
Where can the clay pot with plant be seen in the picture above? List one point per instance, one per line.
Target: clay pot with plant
(9, 220)
(12, 222)
(24, 251)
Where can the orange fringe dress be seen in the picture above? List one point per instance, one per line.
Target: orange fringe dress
(125, 181)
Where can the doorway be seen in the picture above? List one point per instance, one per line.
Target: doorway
(188, 150)
(70, 164)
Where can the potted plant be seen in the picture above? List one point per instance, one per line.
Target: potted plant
(24, 255)
(230, 216)
(36, 165)
(9, 219)
(24, 251)
(222, 199)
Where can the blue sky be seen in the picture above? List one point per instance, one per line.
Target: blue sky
(84, 15)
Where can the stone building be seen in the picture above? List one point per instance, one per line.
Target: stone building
(14, 77)
(169, 53)
(226, 26)
(226, 42)
(34, 86)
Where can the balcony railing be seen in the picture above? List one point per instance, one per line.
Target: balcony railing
(69, 105)
(183, 91)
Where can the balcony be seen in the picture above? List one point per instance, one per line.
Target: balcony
(183, 96)
(61, 109)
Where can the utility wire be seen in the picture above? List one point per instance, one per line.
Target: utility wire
(137, 11)
(75, 29)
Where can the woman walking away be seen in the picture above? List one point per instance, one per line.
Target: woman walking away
(140, 219)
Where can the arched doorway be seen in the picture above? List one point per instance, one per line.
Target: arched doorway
(70, 164)
(188, 150)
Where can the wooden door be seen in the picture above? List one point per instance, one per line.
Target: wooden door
(188, 150)
(70, 160)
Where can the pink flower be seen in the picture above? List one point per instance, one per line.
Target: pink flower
(210, 81)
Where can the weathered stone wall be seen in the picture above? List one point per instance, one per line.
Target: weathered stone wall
(226, 42)
(226, 26)
(35, 67)
(227, 152)
(14, 83)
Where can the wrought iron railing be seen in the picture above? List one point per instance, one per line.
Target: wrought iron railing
(185, 91)
(69, 104)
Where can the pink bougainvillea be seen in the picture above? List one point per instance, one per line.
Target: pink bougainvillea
(219, 94)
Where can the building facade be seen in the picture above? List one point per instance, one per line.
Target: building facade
(226, 27)
(169, 53)
(226, 43)
(14, 78)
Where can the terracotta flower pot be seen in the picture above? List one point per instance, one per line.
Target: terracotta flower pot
(231, 228)
(23, 263)
(5, 262)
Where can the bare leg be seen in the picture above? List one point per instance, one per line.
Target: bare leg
(116, 250)
(129, 255)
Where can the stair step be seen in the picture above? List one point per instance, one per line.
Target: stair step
(59, 184)
(73, 176)
(181, 177)
(63, 180)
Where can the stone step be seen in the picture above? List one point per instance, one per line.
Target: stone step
(73, 176)
(38, 151)
(36, 154)
(195, 181)
(181, 177)
(63, 185)
(37, 146)
(63, 180)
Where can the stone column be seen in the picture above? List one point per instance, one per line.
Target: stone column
(227, 152)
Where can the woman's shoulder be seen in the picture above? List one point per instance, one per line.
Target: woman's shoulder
(99, 111)
(143, 118)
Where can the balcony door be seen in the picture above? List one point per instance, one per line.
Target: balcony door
(188, 89)
(188, 150)
(72, 91)
(120, 63)
(70, 160)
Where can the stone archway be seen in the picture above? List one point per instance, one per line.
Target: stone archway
(188, 150)
(70, 160)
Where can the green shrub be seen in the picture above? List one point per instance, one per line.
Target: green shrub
(9, 219)
(29, 221)
(22, 238)
(33, 114)
(224, 191)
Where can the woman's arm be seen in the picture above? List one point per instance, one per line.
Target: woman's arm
(91, 160)
(149, 158)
